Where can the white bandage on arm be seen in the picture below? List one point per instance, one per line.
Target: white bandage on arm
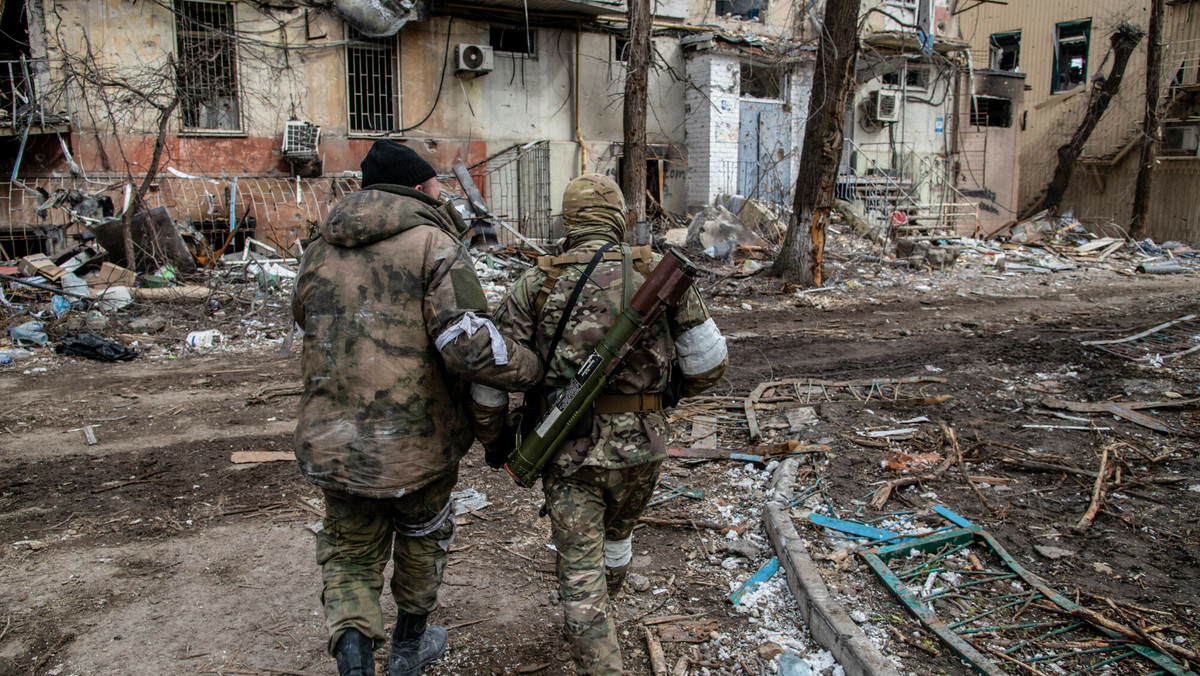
(701, 348)
(469, 324)
(618, 553)
(488, 396)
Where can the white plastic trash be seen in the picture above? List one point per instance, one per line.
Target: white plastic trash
(113, 298)
(203, 339)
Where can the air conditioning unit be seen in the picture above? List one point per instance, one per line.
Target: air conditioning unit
(475, 59)
(886, 105)
(300, 141)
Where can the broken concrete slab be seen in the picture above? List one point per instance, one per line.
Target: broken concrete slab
(715, 225)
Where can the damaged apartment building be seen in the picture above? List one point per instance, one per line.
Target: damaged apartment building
(261, 112)
(1062, 52)
(253, 116)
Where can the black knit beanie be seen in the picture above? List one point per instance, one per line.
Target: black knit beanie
(395, 164)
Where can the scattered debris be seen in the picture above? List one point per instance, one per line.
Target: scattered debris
(1170, 340)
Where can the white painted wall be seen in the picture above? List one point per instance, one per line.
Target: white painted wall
(712, 126)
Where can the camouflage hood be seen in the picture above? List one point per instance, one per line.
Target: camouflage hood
(382, 211)
(593, 209)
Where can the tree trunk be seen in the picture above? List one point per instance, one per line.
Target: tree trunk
(1124, 40)
(1149, 139)
(139, 203)
(800, 259)
(633, 180)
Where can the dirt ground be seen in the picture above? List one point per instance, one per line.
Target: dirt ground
(151, 553)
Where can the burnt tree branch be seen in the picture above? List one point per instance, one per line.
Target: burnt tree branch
(800, 259)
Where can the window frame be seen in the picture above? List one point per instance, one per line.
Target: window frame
(181, 17)
(1055, 74)
(996, 51)
(390, 46)
(531, 42)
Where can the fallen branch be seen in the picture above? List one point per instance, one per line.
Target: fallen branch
(1099, 620)
(1097, 494)
(658, 661)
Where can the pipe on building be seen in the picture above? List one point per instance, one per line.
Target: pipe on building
(578, 70)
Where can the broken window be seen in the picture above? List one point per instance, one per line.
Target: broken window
(1070, 55)
(371, 82)
(513, 41)
(747, 10)
(991, 111)
(762, 82)
(1005, 51)
(621, 50)
(915, 77)
(208, 81)
(1180, 139)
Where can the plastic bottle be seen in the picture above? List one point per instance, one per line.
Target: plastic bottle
(29, 332)
(60, 305)
(10, 354)
(203, 339)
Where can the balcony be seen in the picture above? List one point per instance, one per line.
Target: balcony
(24, 110)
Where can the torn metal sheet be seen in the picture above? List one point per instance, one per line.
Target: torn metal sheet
(1169, 340)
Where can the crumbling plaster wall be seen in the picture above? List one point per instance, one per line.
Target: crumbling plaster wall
(712, 108)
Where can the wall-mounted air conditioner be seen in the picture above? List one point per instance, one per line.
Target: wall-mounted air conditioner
(476, 59)
(300, 140)
(885, 105)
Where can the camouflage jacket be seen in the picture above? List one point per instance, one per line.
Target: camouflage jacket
(381, 295)
(619, 439)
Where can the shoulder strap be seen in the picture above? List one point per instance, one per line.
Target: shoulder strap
(546, 264)
(566, 316)
(553, 265)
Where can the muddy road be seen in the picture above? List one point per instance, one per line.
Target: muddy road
(151, 552)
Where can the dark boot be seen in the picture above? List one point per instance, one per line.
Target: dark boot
(414, 645)
(355, 654)
(616, 578)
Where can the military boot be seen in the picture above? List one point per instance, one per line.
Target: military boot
(355, 654)
(616, 579)
(414, 645)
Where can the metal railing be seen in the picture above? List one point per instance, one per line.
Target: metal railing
(516, 187)
(916, 197)
(22, 105)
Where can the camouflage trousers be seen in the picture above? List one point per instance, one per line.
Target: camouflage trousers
(588, 509)
(361, 534)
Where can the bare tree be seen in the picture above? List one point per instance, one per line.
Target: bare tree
(800, 259)
(1149, 139)
(633, 179)
(1124, 40)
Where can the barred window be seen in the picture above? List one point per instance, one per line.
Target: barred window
(371, 82)
(208, 80)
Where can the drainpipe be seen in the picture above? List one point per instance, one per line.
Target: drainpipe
(578, 133)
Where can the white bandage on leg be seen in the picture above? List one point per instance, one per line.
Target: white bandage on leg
(701, 349)
(469, 324)
(488, 396)
(618, 553)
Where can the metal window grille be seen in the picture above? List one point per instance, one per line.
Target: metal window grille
(208, 81)
(517, 184)
(371, 83)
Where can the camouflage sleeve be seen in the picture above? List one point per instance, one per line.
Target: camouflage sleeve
(699, 345)
(457, 319)
(489, 407)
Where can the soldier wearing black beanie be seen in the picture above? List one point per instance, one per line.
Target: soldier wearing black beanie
(392, 163)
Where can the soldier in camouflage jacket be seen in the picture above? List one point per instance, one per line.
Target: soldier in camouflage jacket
(597, 486)
(395, 324)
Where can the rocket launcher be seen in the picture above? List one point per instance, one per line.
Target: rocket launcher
(663, 289)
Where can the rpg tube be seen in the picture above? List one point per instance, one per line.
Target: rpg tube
(665, 287)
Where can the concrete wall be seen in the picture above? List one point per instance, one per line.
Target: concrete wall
(987, 169)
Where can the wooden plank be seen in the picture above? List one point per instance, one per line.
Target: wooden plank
(241, 457)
